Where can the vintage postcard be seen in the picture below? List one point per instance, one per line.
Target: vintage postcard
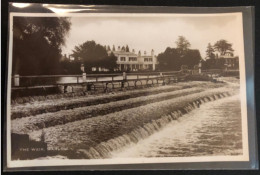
(126, 88)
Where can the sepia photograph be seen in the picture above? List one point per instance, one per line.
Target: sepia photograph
(126, 88)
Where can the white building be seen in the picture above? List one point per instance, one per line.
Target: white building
(132, 61)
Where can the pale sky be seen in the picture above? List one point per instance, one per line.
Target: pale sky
(146, 32)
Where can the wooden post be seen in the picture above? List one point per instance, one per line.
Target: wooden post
(84, 77)
(16, 80)
(200, 67)
(124, 76)
(65, 89)
(82, 68)
(124, 79)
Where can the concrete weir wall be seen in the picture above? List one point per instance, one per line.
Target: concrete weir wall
(104, 149)
(24, 96)
(109, 136)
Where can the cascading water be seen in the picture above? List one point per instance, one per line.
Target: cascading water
(213, 131)
(104, 149)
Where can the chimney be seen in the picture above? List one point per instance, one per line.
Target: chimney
(139, 53)
(152, 52)
(118, 48)
(133, 50)
(144, 52)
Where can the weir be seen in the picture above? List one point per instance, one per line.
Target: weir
(104, 149)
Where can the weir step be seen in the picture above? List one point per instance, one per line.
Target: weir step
(104, 149)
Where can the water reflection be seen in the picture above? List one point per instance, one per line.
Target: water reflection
(62, 80)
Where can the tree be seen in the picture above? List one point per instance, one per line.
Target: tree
(89, 52)
(127, 48)
(191, 58)
(182, 44)
(210, 51)
(37, 44)
(114, 49)
(109, 62)
(222, 46)
(172, 60)
(213, 64)
(70, 67)
(169, 60)
(93, 55)
(123, 48)
(108, 48)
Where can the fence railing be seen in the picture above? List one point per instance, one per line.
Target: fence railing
(54, 80)
(219, 71)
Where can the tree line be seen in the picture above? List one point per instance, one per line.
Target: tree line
(37, 44)
(92, 54)
(214, 52)
(173, 58)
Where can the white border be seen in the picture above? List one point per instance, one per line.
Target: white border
(60, 162)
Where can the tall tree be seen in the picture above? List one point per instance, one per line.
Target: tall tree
(191, 58)
(182, 44)
(127, 48)
(172, 60)
(93, 55)
(109, 62)
(210, 51)
(114, 49)
(37, 43)
(108, 48)
(222, 46)
(169, 60)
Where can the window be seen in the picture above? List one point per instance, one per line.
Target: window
(122, 58)
(148, 59)
(132, 58)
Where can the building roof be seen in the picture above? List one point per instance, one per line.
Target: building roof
(121, 52)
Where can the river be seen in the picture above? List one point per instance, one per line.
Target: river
(212, 129)
(93, 79)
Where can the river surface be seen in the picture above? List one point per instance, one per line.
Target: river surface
(93, 79)
(211, 130)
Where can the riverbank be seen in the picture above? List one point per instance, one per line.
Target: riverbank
(93, 126)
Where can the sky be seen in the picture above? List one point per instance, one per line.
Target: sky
(155, 31)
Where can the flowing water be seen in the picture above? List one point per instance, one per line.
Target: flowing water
(212, 129)
(62, 80)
